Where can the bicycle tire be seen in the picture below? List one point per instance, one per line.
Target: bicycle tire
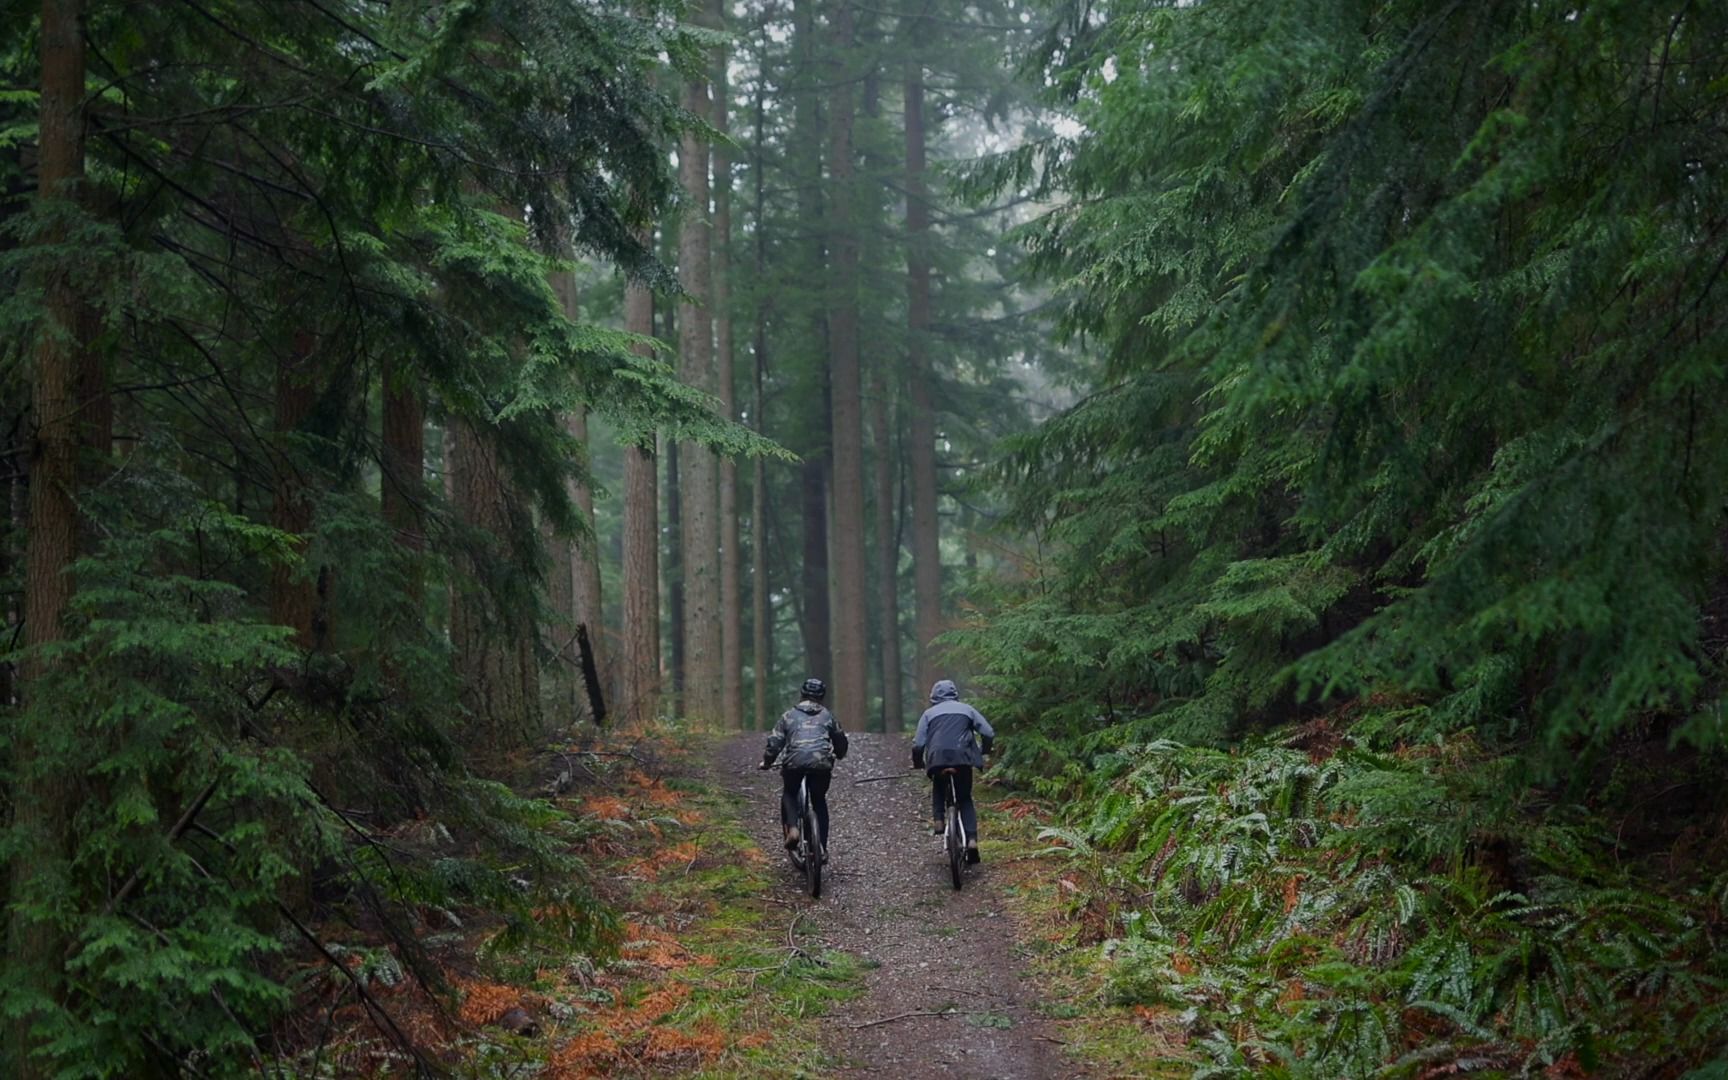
(812, 852)
(956, 846)
(795, 853)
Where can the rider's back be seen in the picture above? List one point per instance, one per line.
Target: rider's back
(808, 737)
(945, 735)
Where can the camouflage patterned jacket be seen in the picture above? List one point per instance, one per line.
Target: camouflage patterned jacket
(809, 736)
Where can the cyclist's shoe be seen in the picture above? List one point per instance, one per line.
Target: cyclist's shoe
(824, 859)
(938, 829)
(972, 852)
(791, 837)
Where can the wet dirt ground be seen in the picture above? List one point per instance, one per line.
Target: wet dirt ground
(887, 898)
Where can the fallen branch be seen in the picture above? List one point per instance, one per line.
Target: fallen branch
(380, 1017)
(791, 928)
(631, 754)
(798, 951)
(887, 776)
(1048, 1039)
(903, 1016)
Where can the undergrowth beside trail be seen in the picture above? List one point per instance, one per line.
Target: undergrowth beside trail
(703, 973)
(1329, 904)
(1057, 915)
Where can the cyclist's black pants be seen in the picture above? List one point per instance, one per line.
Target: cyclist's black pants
(962, 794)
(817, 781)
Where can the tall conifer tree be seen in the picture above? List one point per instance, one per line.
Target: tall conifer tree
(849, 572)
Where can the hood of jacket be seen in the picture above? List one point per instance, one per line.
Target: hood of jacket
(809, 708)
(944, 690)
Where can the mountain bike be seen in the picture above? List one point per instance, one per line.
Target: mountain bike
(806, 856)
(954, 831)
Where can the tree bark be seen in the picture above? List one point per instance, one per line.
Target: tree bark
(761, 645)
(12, 495)
(43, 797)
(731, 558)
(575, 592)
(676, 593)
(698, 467)
(850, 692)
(813, 488)
(561, 599)
(809, 261)
(926, 531)
(887, 550)
(403, 490)
(587, 602)
(494, 647)
(295, 597)
(639, 674)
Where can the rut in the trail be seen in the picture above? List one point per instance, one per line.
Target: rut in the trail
(886, 898)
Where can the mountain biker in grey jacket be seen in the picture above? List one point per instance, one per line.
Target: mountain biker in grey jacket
(952, 735)
(810, 741)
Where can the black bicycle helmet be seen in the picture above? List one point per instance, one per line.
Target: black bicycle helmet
(814, 689)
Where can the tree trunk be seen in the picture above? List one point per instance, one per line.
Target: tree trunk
(576, 563)
(676, 593)
(809, 260)
(294, 596)
(494, 647)
(926, 530)
(42, 798)
(731, 558)
(403, 490)
(850, 693)
(586, 600)
(813, 487)
(561, 599)
(698, 468)
(761, 646)
(887, 550)
(639, 674)
(11, 499)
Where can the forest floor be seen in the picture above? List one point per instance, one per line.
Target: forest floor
(726, 968)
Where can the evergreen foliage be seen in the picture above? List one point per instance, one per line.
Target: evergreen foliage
(1406, 318)
(284, 201)
(1409, 315)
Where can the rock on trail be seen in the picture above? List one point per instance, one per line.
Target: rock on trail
(886, 898)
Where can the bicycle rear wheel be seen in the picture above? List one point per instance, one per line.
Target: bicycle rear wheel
(812, 852)
(956, 845)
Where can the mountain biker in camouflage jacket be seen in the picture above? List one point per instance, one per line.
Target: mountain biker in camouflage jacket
(809, 741)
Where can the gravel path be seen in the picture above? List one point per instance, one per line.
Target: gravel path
(886, 897)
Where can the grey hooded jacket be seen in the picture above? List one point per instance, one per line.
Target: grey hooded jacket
(946, 732)
(809, 736)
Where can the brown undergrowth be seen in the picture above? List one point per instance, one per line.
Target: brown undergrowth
(695, 974)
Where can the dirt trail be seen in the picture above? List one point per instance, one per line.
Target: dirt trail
(886, 898)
